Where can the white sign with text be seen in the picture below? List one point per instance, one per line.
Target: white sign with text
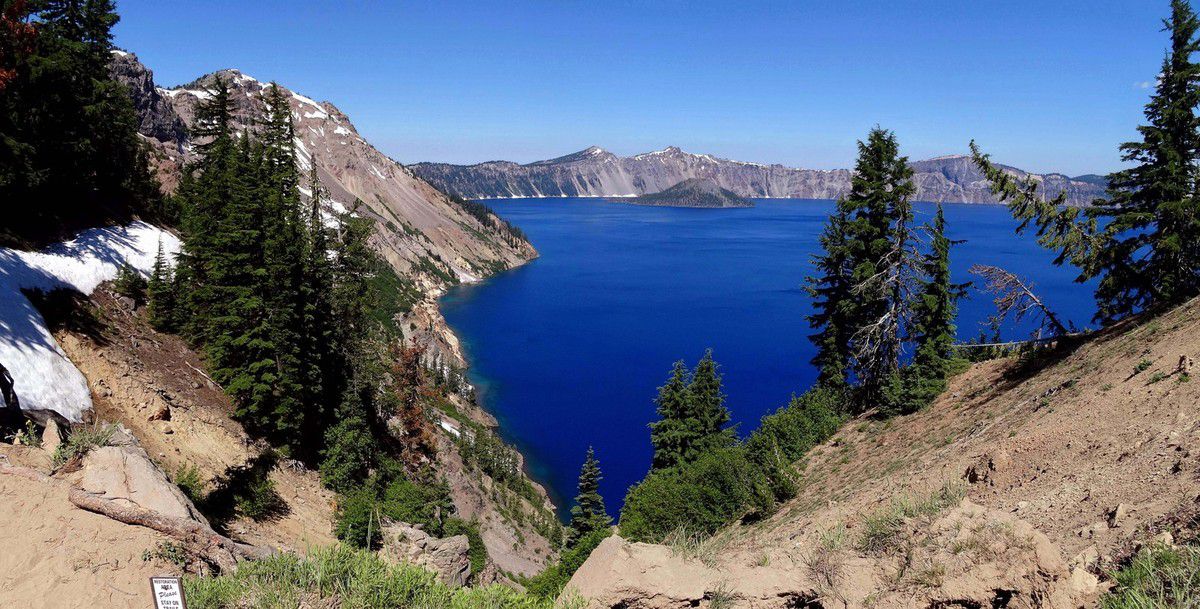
(168, 593)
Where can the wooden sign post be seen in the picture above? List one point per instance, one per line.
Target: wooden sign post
(168, 593)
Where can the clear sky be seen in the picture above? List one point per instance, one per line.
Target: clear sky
(1044, 85)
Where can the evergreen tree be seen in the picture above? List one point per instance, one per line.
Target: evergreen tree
(324, 369)
(879, 254)
(588, 514)
(161, 289)
(350, 451)
(706, 403)
(933, 330)
(672, 434)
(69, 151)
(833, 301)
(1143, 243)
(1152, 251)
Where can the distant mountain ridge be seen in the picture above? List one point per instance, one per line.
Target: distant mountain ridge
(595, 172)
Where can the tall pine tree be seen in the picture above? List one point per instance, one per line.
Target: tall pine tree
(833, 303)
(933, 329)
(879, 254)
(706, 401)
(588, 514)
(674, 432)
(1143, 243)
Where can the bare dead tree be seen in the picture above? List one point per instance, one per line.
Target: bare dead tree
(878, 344)
(1016, 296)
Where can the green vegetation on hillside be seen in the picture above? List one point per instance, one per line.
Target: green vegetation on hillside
(340, 576)
(1160, 576)
(70, 156)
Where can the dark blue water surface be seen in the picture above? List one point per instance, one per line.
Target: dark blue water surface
(567, 351)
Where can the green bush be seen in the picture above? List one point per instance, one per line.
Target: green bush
(80, 441)
(550, 583)
(716, 489)
(130, 283)
(786, 435)
(188, 479)
(360, 512)
(477, 551)
(426, 504)
(260, 501)
(341, 576)
(1159, 577)
(358, 519)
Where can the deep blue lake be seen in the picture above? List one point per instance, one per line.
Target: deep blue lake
(567, 351)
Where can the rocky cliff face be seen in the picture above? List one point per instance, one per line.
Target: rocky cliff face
(426, 236)
(595, 172)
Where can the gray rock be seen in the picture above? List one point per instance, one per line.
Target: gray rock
(448, 557)
(598, 173)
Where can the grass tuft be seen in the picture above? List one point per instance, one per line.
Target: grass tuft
(1159, 577)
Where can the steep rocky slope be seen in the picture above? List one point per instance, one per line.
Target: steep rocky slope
(427, 237)
(595, 172)
(1064, 464)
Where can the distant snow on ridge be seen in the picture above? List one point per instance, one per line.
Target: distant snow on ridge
(594, 172)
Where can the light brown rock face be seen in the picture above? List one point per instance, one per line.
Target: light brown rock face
(421, 232)
(448, 557)
(125, 474)
(969, 556)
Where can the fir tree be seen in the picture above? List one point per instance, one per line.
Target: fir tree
(673, 433)
(933, 329)
(588, 514)
(833, 301)
(706, 403)
(70, 155)
(162, 294)
(1151, 254)
(1143, 243)
(879, 252)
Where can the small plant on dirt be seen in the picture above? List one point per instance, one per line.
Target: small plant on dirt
(82, 440)
(1159, 577)
(28, 436)
(883, 529)
(721, 597)
(1183, 378)
(168, 551)
(1156, 378)
(188, 479)
(1105, 388)
(1142, 366)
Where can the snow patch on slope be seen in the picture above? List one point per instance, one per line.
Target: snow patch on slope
(44, 379)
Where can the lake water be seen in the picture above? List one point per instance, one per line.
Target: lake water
(567, 351)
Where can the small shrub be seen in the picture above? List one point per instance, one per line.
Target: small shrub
(82, 440)
(260, 501)
(549, 583)
(168, 551)
(1157, 377)
(359, 519)
(188, 479)
(716, 489)
(1142, 366)
(130, 283)
(29, 436)
(1159, 577)
(476, 550)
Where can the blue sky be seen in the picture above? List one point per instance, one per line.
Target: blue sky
(1041, 85)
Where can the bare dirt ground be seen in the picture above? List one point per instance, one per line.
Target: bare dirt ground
(56, 555)
(154, 385)
(1067, 463)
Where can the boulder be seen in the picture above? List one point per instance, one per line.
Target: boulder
(449, 557)
(52, 436)
(126, 475)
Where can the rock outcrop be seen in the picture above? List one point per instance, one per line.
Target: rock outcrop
(124, 474)
(595, 172)
(427, 237)
(448, 557)
(969, 556)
